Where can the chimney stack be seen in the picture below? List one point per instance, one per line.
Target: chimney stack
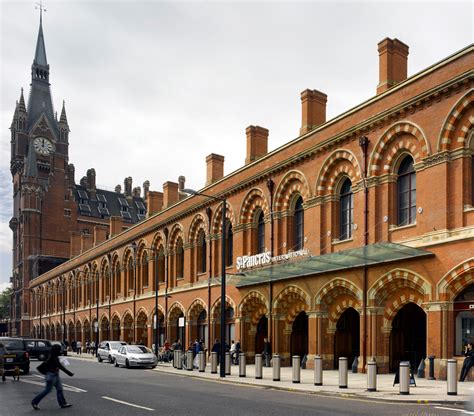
(100, 234)
(313, 110)
(154, 203)
(146, 189)
(137, 192)
(215, 168)
(118, 189)
(170, 194)
(91, 187)
(393, 58)
(127, 184)
(71, 171)
(257, 143)
(181, 182)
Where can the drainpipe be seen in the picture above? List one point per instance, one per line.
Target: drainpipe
(270, 186)
(364, 144)
(166, 284)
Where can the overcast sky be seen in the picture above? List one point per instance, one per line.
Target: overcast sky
(153, 87)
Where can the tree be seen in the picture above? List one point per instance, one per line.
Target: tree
(5, 301)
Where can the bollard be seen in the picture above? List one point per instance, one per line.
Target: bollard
(202, 361)
(189, 360)
(452, 377)
(404, 374)
(174, 359)
(276, 367)
(420, 373)
(355, 364)
(371, 376)
(214, 362)
(431, 359)
(179, 360)
(318, 370)
(258, 366)
(343, 372)
(296, 369)
(227, 363)
(242, 365)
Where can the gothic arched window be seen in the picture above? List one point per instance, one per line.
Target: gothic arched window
(346, 210)
(406, 192)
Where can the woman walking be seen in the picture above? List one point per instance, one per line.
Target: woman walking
(51, 369)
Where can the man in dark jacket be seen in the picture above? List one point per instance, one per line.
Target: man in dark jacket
(267, 352)
(51, 369)
(468, 361)
(216, 348)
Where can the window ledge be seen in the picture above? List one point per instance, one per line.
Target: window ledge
(401, 227)
(179, 278)
(201, 274)
(468, 208)
(336, 241)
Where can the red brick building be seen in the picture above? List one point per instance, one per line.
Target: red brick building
(354, 239)
(53, 217)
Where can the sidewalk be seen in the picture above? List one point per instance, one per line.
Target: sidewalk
(426, 391)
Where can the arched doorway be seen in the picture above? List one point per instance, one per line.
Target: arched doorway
(347, 337)
(70, 332)
(128, 329)
(202, 327)
(104, 329)
(299, 335)
(142, 331)
(87, 332)
(261, 334)
(408, 337)
(115, 328)
(463, 319)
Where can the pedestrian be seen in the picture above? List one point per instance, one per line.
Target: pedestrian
(267, 352)
(237, 351)
(468, 361)
(88, 346)
(51, 368)
(78, 347)
(92, 348)
(232, 351)
(216, 348)
(73, 345)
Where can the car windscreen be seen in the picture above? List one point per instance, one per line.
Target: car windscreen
(13, 344)
(138, 349)
(115, 345)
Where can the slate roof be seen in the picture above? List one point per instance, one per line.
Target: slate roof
(105, 204)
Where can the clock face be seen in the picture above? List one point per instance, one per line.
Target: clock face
(43, 146)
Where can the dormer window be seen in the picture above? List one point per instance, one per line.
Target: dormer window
(102, 205)
(84, 207)
(141, 210)
(124, 209)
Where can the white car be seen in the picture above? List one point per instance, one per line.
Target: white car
(135, 356)
(108, 349)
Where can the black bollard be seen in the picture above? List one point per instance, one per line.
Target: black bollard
(355, 364)
(431, 369)
(421, 369)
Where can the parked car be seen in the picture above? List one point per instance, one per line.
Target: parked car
(108, 349)
(16, 354)
(38, 348)
(135, 356)
(62, 345)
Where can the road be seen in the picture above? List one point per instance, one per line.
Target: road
(101, 389)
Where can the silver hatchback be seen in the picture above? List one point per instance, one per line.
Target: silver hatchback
(135, 356)
(108, 349)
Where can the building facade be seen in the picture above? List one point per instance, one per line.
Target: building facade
(53, 217)
(354, 239)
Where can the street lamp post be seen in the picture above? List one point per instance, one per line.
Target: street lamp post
(223, 273)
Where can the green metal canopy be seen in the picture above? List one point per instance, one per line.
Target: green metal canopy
(369, 255)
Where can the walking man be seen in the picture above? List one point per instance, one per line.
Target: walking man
(468, 361)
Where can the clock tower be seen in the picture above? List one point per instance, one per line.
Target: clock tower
(41, 188)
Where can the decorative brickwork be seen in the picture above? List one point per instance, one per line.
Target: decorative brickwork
(293, 182)
(340, 162)
(253, 200)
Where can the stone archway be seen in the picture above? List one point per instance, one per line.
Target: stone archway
(104, 329)
(299, 335)
(115, 333)
(347, 336)
(142, 329)
(254, 322)
(127, 325)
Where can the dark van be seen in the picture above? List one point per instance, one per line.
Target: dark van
(16, 354)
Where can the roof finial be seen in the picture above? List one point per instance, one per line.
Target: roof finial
(41, 8)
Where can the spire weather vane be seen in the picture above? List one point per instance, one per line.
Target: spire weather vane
(41, 8)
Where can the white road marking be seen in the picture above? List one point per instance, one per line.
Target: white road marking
(455, 410)
(66, 387)
(128, 404)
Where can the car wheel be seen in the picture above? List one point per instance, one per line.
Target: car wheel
(116, 364)
(41, 357)
(153, 366)
(127, 364)
(99, 358)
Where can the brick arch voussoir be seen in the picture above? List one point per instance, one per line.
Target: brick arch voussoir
(197, 224)
(196, 307)
(334, 287)
(385, 150)
(456, 280)
(340, 162)
(293, 182)
(291, 295)
(253, 200)
(215, 309)
(217, 220)
(455, 115)
(176, 233)
(175, 310)
(396, 279)
(251, 301)
(398, 303)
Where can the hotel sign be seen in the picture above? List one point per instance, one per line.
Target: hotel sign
(263, 259)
